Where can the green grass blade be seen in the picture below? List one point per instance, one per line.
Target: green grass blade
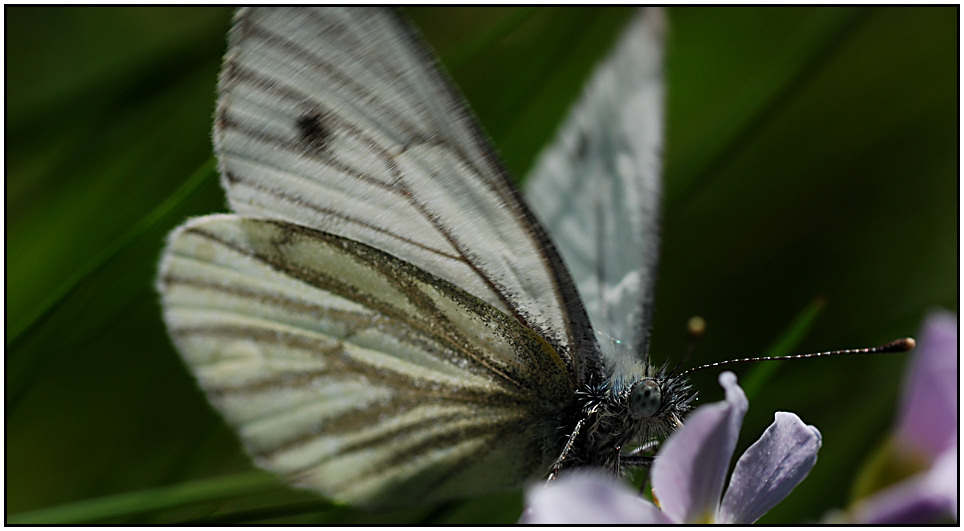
(777, 102)
(34, 319)
(479, 45)
(20, 368)
(128, 504)
(785, 344)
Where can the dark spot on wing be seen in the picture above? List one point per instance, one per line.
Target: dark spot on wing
(582, 146)
(315, 134)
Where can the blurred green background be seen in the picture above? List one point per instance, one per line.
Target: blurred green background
(811, 152)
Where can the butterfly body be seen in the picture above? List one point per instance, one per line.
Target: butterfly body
(383, 318)
(607, 430)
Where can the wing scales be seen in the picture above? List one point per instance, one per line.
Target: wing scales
(375, 387)
(370, 142)
(597, 188)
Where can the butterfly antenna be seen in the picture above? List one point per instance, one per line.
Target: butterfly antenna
(900, 345)
(695, 328)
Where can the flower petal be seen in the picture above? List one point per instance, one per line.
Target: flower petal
(923, 499)
(928, 418)
(588, 498)
(770, 469)
(691, 465)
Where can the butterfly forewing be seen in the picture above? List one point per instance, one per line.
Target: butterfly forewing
(339, 120)
(597, 188)
(354, 373)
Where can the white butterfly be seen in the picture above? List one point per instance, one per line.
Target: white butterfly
(382, 318)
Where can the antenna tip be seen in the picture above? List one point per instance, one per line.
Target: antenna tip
(696, 326)
(899, 345)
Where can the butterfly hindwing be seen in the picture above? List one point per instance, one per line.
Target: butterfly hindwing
(352, 372)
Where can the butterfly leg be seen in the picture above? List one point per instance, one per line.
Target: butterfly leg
(565, 452)
(636, 461)
(649, 446)
(633, 459)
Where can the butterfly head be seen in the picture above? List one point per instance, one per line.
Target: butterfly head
(659, 401)
(645, 398)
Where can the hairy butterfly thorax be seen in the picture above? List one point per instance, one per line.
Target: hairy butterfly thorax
(613, 422)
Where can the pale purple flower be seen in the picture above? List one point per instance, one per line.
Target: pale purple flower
(926, 435)
(690, 472)
(588, 497)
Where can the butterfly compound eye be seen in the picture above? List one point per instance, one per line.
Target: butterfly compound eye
(645, 399)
